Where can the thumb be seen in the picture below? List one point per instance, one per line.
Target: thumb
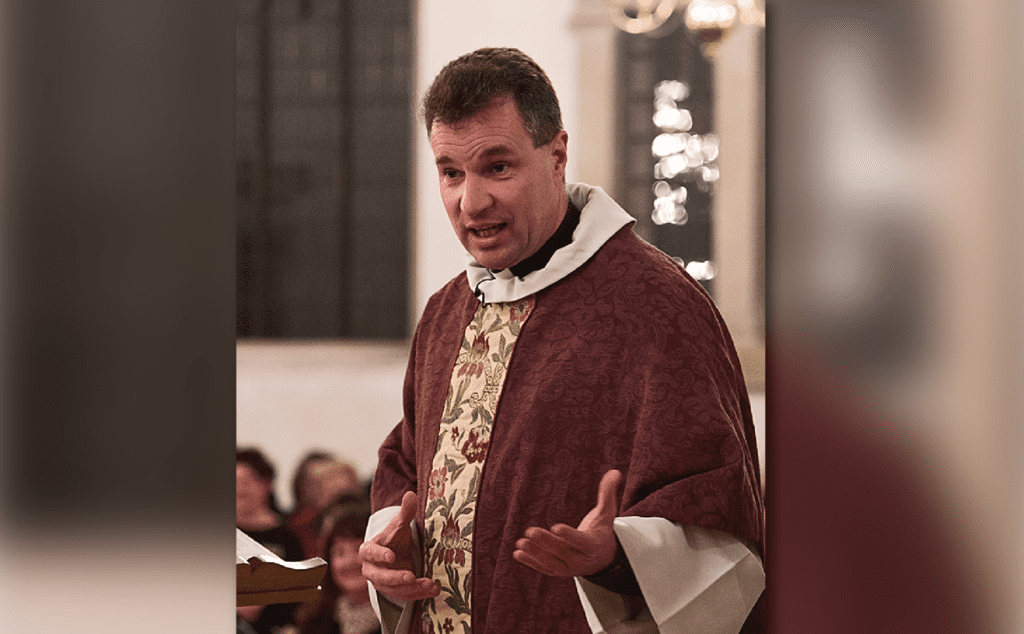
(408, 510)
(399, 522)
(608, 495)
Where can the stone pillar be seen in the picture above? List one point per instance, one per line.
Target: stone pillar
(738, 207)
(594, 147)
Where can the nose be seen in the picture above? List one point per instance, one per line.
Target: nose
(476, 196)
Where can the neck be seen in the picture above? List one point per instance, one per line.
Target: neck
(560, 238)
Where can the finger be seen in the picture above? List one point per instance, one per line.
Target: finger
(552, 543)
(559, 557)
(421, 588)
(579, 541)
(553, 554)
(406, 513)
(408, 510)
(387, 577)
(374, 553)
(540, 565)
(608, 494)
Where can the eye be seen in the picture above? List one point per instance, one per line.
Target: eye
(500, 168)
(450, 173)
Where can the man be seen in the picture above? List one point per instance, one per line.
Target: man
(573, 376)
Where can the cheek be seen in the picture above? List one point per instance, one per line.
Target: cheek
(451, 206)
(346, 560)
(346, 554)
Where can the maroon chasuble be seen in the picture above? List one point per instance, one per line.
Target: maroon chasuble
(623, 364)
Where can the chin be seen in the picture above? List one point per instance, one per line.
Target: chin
(495, 263)
(493, 266)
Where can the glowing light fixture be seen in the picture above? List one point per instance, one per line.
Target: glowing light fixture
(640, 16)
(711, 21)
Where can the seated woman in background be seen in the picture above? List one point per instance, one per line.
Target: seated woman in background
(344, 603)
(300, 520)
(256, 514)
(325, 481)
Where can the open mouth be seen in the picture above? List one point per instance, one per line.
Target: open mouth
(487, 232)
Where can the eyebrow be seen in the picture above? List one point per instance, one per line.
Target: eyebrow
(497, 150)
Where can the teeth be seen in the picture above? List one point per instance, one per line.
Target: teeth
(487, 232)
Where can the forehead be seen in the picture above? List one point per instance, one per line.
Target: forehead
(499, 124)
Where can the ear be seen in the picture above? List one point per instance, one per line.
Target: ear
(560, 152)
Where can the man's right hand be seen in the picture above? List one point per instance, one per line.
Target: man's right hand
(387, 558)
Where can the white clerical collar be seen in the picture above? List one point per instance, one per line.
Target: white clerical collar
(600, 219)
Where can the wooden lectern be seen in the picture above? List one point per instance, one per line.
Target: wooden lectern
(264, 578)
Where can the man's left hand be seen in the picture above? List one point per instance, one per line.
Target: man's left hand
(564, 551)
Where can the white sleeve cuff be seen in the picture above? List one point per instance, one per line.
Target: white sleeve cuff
(694, 580)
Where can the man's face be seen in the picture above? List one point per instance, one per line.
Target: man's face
(504, 197)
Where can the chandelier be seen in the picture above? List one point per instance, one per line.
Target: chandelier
(710, 21)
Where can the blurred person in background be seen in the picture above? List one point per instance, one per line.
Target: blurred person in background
(332, 479)
(344, 603)
(300, 520)
(257, 515)
(326, 480)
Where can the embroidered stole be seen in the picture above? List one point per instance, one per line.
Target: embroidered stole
(462, 443)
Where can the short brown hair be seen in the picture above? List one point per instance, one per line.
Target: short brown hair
(257, 461)
(472, 82)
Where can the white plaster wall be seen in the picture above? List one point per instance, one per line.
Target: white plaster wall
(343, 397)
(738, 197)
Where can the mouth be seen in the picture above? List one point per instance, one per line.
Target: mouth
(488, 231)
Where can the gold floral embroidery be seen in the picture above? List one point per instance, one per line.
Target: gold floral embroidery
(462, 444)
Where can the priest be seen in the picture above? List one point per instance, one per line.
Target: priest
(577, 451)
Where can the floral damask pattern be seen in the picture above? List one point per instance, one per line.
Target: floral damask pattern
(462, 443)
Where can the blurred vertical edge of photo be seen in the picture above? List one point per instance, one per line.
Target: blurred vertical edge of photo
(895, 276)
(117, 285)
